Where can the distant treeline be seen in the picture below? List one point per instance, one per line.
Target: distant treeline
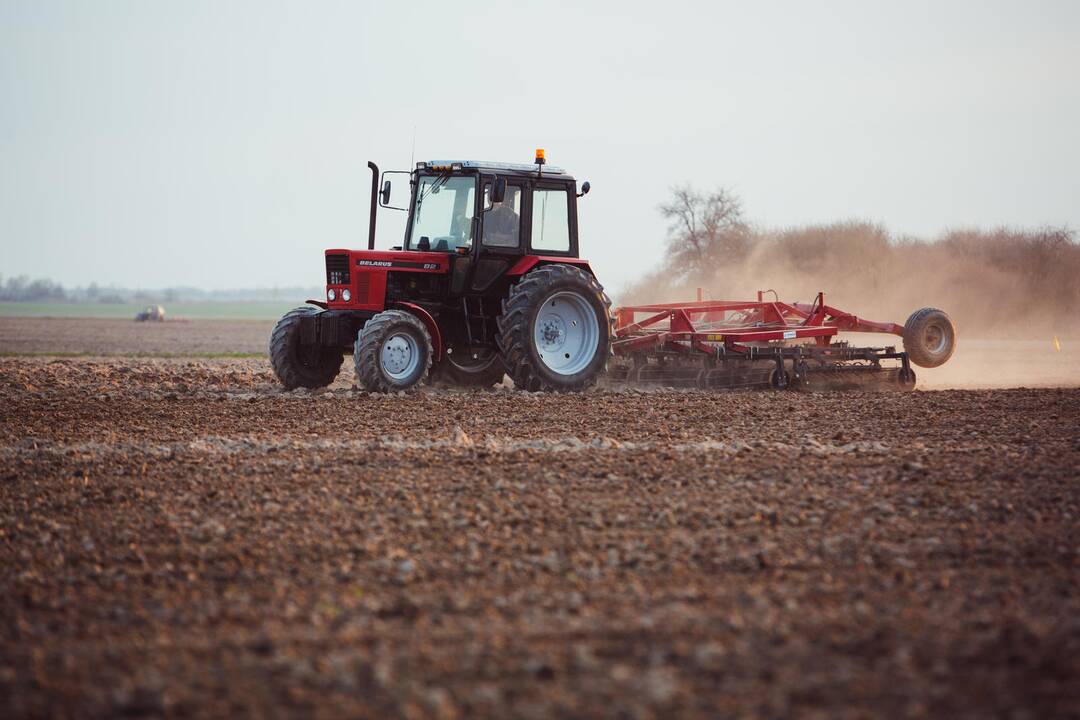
(1003, 282)
(23, 289)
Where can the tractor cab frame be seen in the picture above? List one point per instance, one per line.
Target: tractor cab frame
(500, 213)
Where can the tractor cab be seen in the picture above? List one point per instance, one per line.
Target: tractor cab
(486, 216)
(503, 209)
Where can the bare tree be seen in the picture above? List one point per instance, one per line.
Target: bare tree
(707, 231)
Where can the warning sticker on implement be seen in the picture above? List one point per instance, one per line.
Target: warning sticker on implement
(789, 334)
(714, 338)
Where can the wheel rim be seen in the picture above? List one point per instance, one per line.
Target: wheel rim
(400, 355)
(566, 333)
(935, 339)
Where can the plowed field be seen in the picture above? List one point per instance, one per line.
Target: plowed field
(179, 537)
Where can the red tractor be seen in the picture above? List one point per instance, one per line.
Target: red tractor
(487, 282)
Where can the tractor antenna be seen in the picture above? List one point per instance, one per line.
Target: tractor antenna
(412, 155)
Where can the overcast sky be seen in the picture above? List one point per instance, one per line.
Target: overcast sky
(223, 144)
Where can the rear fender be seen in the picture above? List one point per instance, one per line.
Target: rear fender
(528, 262)
(429, 323)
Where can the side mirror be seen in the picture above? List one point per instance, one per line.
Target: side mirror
(585, 188)
(385, 194)
(498, 190)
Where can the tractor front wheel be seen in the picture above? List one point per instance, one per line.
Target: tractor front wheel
(392, 352)
(555, 330)
(296, 365)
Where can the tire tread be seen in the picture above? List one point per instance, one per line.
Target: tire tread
(913, 329)
(288, 371)
(514, 334)
(370, 339)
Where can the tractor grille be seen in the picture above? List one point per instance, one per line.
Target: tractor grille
(363, 286)
(337, 269)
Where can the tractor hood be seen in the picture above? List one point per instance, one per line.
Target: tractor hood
(397, 260)
(363, 273)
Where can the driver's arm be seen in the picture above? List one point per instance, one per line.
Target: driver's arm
(464, 229)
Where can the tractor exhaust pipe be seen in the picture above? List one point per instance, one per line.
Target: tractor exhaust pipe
(374, 204)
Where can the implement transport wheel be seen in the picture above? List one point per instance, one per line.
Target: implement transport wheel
(392, 352)
(929, 337)
(297, 366)
(460, 368)
(555, 330)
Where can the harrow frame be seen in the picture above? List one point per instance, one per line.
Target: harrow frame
(724, 334)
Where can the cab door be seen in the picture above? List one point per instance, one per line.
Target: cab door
(552, 220)
(502, 234)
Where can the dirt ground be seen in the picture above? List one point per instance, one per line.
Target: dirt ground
(178, 537)
(109, 336)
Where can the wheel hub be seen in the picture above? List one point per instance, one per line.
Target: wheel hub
(935, 338)
(398, 355)
(566, 333)
(554, 330)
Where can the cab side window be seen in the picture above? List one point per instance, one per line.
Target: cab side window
(502, 223)
(550, 220)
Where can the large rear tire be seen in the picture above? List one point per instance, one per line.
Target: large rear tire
(295, 365)
(392, 352)
(929, 337)
(484, 371)
(555, 330)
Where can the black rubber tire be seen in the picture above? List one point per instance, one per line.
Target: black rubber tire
(515, 323)
(926, 352)
(484, 374)
(369, 342)
(292, 366)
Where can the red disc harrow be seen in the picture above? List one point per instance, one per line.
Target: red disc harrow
(724, 343)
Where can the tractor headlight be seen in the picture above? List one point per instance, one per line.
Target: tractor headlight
(331, 295)
(346, 295)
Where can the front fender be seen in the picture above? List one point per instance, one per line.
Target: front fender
(429, 323)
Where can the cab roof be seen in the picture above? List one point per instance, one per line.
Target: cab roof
(502, 168)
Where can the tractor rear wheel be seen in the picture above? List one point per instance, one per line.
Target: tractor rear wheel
(298, 366)
(555, 330)
(460, 369)
(392, 352)
(929, 337)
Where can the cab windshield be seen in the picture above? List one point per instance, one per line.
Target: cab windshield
(442, 217)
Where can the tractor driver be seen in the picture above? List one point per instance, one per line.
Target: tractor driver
(462, 230)
(502, 223)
